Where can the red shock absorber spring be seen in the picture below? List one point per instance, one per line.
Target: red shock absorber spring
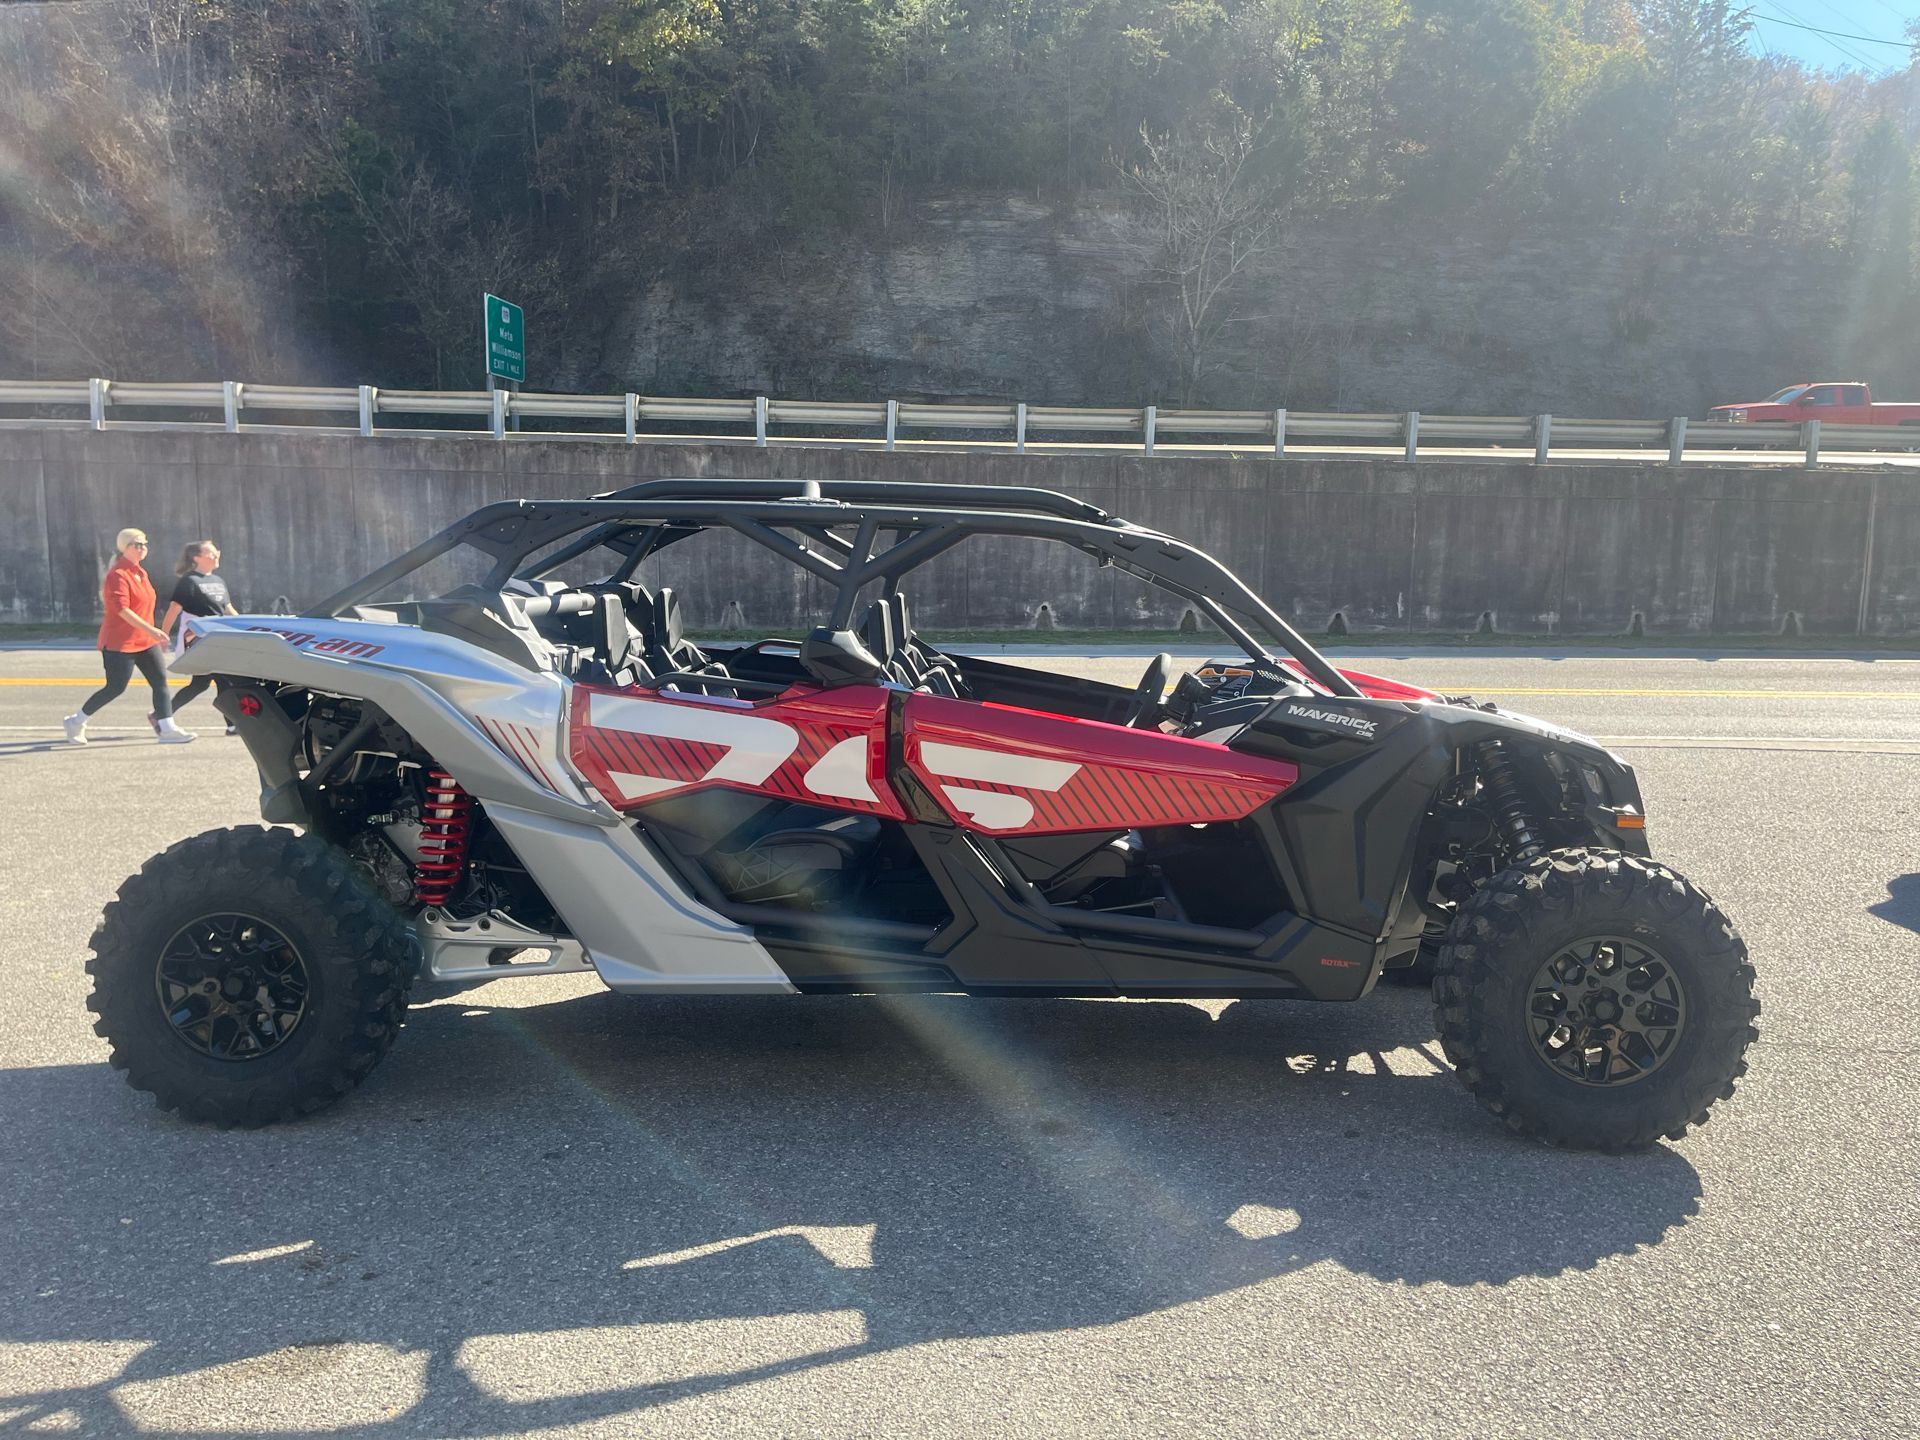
(446, 828)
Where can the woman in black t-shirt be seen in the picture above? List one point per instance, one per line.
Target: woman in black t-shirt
(199, 591)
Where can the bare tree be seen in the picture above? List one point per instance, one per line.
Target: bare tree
(438, 259)
(1217, 193)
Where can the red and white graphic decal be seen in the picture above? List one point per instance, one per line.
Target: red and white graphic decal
(1008, 771)
(1008, 808)
(826, 748)
(520, 744)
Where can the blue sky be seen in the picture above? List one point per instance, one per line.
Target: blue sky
(1883, 18)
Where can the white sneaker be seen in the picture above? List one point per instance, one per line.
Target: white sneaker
(76, 727)
(172, 734)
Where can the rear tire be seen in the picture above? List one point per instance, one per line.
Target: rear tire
(1595, 999)
(249, 975)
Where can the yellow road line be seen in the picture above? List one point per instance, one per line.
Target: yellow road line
(1476, 690)
(95, 682)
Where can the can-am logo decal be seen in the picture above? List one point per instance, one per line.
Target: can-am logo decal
(1358, 724)
(332, 645)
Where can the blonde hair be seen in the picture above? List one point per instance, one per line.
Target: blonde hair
(126, 537)
(190, 554)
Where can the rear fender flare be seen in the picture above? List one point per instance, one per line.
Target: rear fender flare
(415, 701)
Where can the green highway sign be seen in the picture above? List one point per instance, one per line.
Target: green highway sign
(506, 340)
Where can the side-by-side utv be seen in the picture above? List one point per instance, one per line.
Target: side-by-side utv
(537, 771)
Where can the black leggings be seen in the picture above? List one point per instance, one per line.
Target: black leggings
(192, 690)
(120, 665)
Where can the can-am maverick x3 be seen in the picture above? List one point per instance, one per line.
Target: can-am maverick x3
(538, 772)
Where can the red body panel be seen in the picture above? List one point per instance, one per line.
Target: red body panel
(1007, 771)
(818, 747)
(993, 768)
(1374, 687)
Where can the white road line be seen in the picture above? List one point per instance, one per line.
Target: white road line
(1838, 745)
(1866, 745)
(55, 733)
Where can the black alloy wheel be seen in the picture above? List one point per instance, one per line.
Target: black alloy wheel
(1595, 999)
(1606, 1010)
(250, 975)
(232, 986)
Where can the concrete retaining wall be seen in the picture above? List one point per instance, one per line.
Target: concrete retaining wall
(1388, 545)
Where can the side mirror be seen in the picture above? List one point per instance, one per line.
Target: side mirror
(836, 657)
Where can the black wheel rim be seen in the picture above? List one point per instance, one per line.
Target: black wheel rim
(231, 986)
(1606, 1010)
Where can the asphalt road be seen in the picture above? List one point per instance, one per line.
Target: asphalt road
(556, 1210)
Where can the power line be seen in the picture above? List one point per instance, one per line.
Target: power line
(1834, 38)
(1836, 34)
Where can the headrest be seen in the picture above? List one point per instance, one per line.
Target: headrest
(836, 657)
(902, 626)
(667, 631)
(616, 636)
(877, 630)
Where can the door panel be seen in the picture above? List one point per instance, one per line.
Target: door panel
(826, 748)
(1004, 771)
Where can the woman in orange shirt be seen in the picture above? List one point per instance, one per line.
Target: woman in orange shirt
(128, 640)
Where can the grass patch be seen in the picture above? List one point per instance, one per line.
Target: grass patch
(31, 631)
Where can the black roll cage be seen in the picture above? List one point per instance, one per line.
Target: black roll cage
(920, 521)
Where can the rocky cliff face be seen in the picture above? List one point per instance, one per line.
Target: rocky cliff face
(1006, 297)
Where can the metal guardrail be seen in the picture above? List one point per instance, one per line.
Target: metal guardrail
(106, 404)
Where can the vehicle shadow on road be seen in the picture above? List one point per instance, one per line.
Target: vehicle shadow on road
(537, 1215)
(1902, 905)
(59, 744)
(44, 747)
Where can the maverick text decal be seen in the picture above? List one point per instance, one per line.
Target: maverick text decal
(1358, 724)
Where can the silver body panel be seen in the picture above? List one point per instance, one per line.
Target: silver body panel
(499, 729)
(465, 949)
(640, 928)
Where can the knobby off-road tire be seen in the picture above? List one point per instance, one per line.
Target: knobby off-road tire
(249, 975)
(1574, 938)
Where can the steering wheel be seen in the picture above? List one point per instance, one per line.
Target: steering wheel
(1143, 711)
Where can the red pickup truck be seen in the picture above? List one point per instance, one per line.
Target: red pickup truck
(1836, 402)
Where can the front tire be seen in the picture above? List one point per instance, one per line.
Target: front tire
(249, 975)
(1595, 999)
